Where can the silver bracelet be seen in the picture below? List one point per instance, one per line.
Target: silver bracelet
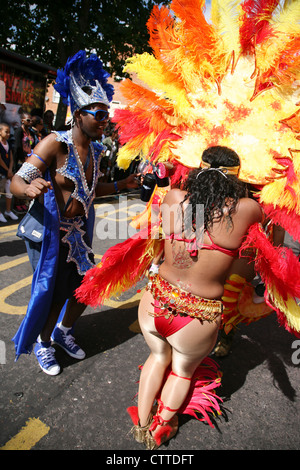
(29, 172)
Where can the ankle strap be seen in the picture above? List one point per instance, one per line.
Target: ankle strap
(157, 419)
(161, 407)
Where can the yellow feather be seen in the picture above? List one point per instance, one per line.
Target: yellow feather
(126, 155)
(288, 306)
(151, 72)
(214, 13)
(286, 19)
(225, 14)
(285, 24)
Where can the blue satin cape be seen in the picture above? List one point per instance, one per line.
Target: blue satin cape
(44, 276)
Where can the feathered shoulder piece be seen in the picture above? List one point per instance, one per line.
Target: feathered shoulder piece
(83, 81)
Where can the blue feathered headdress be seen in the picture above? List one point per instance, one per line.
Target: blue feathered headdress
(83, 81)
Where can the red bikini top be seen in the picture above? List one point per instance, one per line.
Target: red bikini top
(193, 248)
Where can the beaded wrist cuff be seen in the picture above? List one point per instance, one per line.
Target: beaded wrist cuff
(29, 172)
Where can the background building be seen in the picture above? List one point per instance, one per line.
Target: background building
(23, 86)
(27, 85)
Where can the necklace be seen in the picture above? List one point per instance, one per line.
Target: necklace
(81, 169)
(73, 170)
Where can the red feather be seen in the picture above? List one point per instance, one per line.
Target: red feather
(202, 398)
(290, 221)
(164, 137)
(130, 126)
(179, 174)
(255, 25)
(163, 434)
(133, 413)
(278, 267)
(122, 266)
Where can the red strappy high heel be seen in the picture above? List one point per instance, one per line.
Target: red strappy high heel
(168, 428)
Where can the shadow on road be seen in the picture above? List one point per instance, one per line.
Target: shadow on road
(261, 342)
(100, 331)
(12, 248)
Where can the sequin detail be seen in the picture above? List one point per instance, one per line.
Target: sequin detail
(78, 249)
(73, 170)
(29, 172)
(172, 301)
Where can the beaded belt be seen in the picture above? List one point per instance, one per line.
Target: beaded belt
(175, 301)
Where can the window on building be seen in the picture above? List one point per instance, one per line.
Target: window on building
(55, 96)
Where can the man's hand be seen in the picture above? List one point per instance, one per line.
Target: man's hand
(37, 187)
(132, 181)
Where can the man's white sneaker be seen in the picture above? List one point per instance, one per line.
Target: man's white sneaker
(11, 215)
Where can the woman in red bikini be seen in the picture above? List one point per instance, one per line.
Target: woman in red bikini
(180, 312)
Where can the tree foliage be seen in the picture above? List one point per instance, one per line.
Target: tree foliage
(52, 31)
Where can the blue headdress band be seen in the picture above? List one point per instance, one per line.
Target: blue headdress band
(83, 81)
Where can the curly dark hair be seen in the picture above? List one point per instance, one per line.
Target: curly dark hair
(213, 189)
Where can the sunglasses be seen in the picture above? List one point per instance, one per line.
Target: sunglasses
(99, 115)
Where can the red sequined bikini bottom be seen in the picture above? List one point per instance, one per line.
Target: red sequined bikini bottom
(175, 307)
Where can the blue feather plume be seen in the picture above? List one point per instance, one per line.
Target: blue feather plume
(85, 70)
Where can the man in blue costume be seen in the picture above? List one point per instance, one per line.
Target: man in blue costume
(61, 178)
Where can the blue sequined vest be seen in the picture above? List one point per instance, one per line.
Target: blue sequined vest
(74, 171)
(74, 228)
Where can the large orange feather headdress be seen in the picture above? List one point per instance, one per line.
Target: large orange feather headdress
(232, 80)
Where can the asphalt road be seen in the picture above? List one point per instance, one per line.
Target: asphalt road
(84, 408)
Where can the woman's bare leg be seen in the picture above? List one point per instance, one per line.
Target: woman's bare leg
(152, 374)
(186, 349)
(190, 346)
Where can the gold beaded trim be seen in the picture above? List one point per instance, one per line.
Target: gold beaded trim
(175, 301)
